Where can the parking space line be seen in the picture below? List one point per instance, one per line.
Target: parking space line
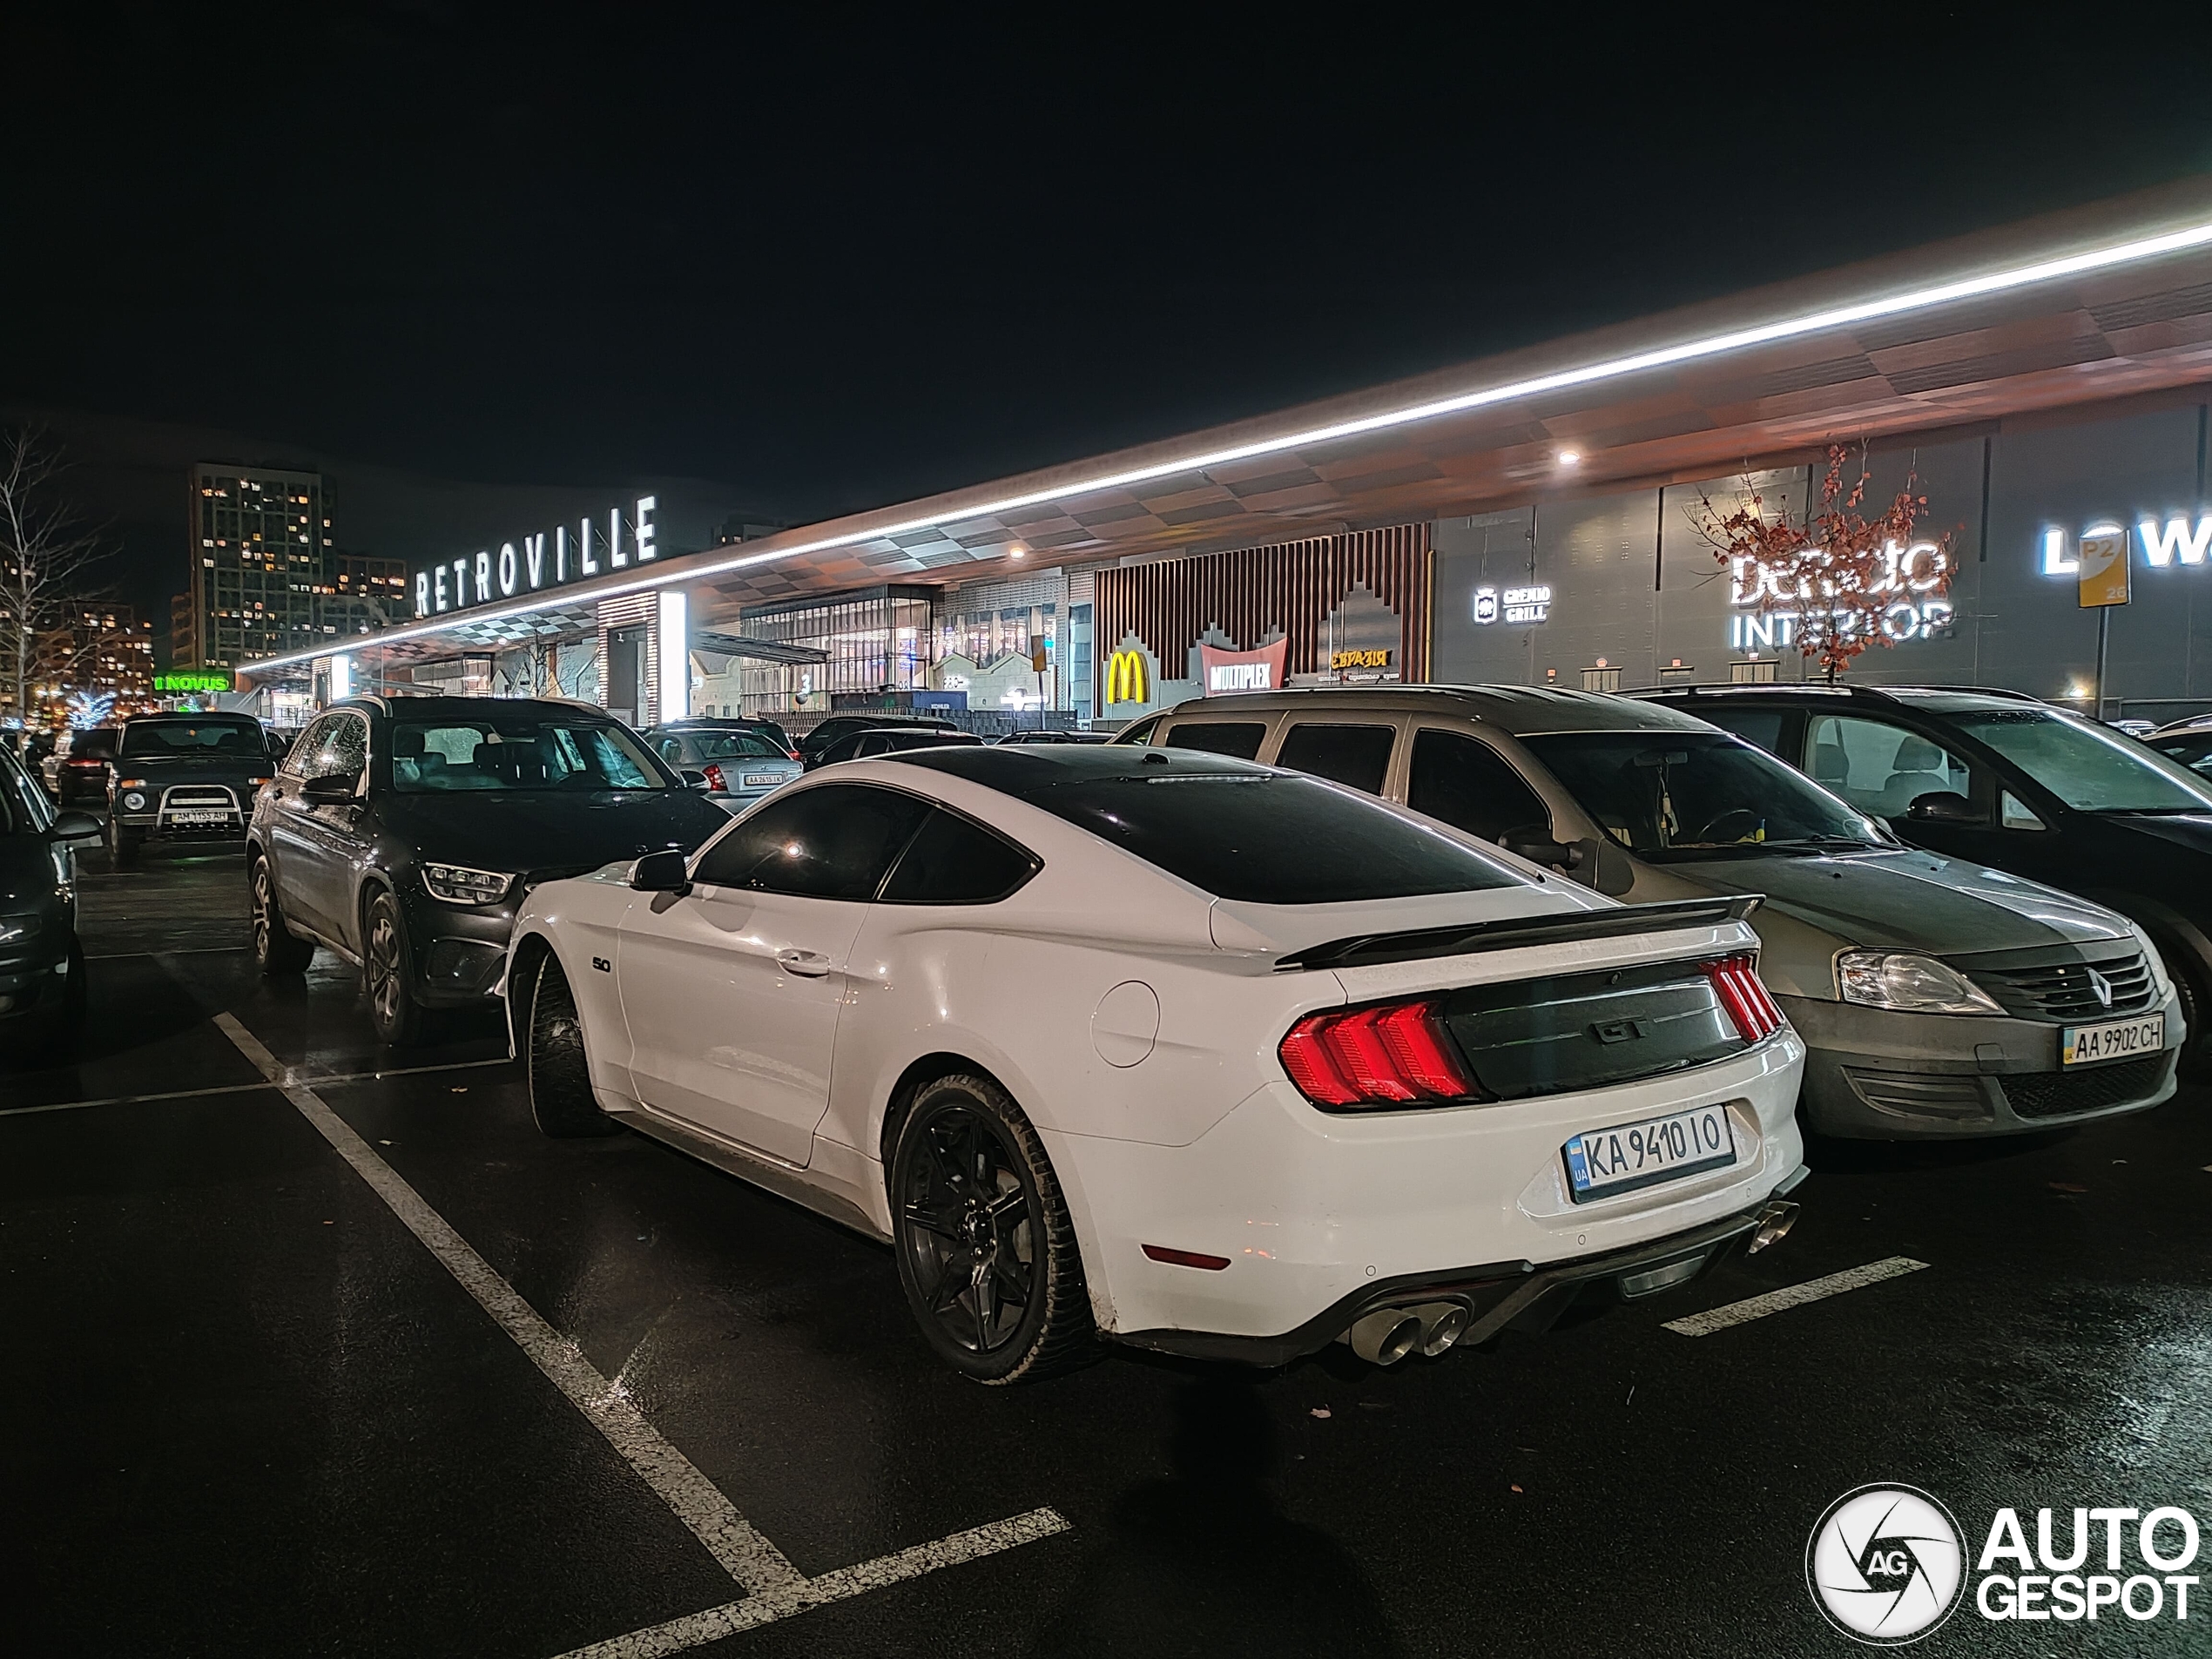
(1792, 1296)
(245, 1089)
(697, 1630)
(744, 1552)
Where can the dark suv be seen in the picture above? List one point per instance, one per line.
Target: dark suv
(2005, 781)
(42, 969)
(403, 834)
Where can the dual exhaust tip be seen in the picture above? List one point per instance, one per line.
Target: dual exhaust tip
(1387, 1335)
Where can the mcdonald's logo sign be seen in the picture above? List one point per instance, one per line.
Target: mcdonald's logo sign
(1125, 681)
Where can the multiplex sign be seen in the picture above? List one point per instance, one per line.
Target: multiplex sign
(1900, 600)
(1243, 671)
(536, 563)
(2175, 540)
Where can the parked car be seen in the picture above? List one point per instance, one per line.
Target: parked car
(184, 778)
(872, 741)
(404, 834)
(838, 727)
(740, 763)
(2187, 743)
(78, 769)
(2016, 784)
(772, 730)
(1056, 735)
(42, 965)
(1198, 1055)
(1939, 998)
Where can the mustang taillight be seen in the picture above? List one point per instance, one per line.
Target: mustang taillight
(1735, 982)
(1396, 1055)
(714, 778)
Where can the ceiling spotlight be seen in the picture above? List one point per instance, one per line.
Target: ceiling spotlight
(1569, 457)
(1017, 551)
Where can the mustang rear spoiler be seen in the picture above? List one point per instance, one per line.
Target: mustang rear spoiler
(1368, 950)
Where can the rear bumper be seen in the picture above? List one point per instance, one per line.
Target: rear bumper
(1873, 1075)
(1499, 1295)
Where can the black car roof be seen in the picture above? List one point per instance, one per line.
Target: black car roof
(1939, 699)
(1024, 768)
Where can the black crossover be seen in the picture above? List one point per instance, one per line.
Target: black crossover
(402, 833)
(42, 969)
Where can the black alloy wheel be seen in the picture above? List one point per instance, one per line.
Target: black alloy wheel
(275, 949)
(387, 975)
(560, 1076)
(123, 844)
(2193, 1005)
(987, 1253)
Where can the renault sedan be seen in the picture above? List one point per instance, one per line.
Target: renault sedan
(1193, 1055)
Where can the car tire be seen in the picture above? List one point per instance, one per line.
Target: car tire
(560, 1074)
(123, 844)
(2194, 1006)
(388, 974)
(275, 950)
(977, 1219)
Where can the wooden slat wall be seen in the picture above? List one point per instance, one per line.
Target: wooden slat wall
(1250, 593)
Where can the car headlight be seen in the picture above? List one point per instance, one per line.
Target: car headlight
(458, 884)
(2159, 975)
(1908, 983)
(15, 929)
(134, 802)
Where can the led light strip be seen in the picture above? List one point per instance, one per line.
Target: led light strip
(1612, 368)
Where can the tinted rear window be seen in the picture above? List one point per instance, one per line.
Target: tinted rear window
(952, 861)
(1270, 837)
(1238, 739)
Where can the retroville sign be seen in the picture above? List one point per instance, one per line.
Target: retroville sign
(532, 564)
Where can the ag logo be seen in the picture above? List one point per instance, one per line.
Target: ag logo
(1885, 1564)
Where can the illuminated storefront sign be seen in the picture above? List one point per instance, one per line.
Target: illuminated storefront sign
(1243, 671)
(1344, 659)
(535, 563)
(1515, 604)
(2176, 540)
(1126, 679)
(192, 682)
(1903, 606)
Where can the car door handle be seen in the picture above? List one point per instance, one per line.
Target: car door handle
(809, 964)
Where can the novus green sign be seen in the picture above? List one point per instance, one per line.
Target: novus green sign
(192, 682)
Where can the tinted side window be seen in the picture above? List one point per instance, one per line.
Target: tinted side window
(952, 861)
(1239, 739)
(1468, 784)
(1878, 768)
(1354, 755)
(835, 842)
(347, 749)
(1762, 726)
(1143, 732)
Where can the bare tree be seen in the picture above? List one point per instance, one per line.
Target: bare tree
(50, 565)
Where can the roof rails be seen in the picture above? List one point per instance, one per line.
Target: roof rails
(1886, 694)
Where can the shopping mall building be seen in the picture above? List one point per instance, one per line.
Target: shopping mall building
(1533, 518)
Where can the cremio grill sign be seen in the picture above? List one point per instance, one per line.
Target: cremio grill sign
(540, 560)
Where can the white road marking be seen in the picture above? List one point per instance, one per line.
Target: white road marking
(1792, 1296)
(697, 1630)
(248, 1089)
(743, 1553)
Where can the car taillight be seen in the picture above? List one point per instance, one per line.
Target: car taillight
(714, 779)
(86, 763)
(1396, 1055)
(1735, 982)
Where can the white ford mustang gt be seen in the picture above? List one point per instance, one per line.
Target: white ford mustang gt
(1192, 1054)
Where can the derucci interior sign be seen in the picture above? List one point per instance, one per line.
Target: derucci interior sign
(539, 561)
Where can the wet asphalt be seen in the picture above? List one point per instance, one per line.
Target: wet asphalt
(252, 1414)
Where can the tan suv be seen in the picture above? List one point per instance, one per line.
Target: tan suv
(2047, 1009)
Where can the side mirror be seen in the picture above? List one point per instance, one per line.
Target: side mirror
(1534, 842)
(662, 871)
(1942, 807)
(692, 779)
(331, 789)
(74, 826)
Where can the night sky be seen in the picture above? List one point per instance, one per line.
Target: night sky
(531, 246)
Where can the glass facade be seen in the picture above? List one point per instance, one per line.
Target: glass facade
(878, 640)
